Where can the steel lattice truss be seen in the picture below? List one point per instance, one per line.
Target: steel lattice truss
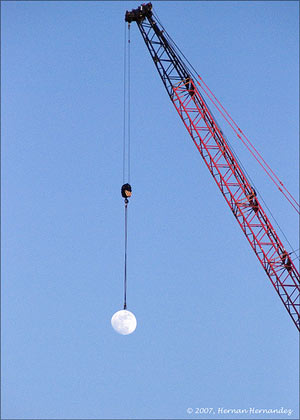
(221, 162)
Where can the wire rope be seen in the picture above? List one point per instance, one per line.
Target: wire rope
(124, 103)
(126, 189)
(125, 256)
(128, 122)
(126, 108)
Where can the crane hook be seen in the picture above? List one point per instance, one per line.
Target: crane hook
(126, 192)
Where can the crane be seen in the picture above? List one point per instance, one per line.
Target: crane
(220, 160)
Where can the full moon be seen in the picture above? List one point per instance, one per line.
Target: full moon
(124, 322)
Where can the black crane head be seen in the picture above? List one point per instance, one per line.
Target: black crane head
(139, 14)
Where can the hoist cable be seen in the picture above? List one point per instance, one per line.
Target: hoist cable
(126, 107)
(125, 256)
(128, 122)
(126, 189)
(124, 104)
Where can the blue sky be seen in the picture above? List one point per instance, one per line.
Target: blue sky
(211, 331)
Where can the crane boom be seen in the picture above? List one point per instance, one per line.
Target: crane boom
(220, 160)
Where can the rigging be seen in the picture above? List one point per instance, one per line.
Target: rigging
(126, 189)
(185, 92)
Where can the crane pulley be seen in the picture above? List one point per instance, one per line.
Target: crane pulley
(184, 92)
